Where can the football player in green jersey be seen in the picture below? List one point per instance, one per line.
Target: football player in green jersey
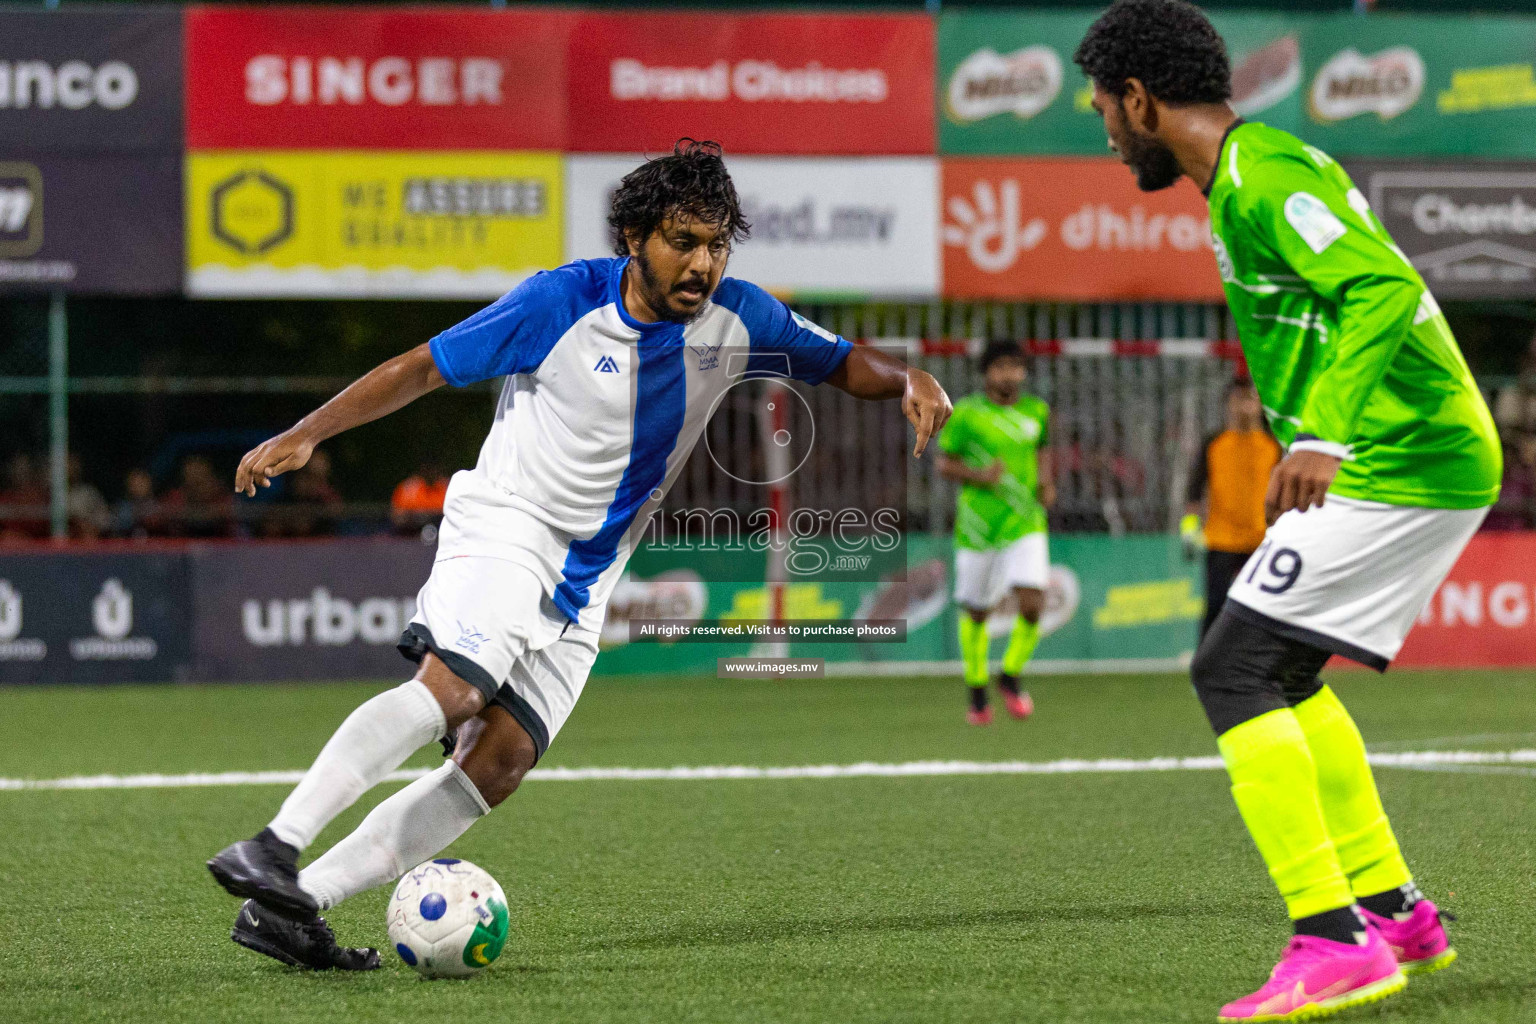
(993, 446)
(1392, 461)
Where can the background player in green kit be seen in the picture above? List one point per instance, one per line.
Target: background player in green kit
(1392, 461)
(993, 447)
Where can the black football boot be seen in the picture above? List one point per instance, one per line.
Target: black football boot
(264, 869)
(310, 944)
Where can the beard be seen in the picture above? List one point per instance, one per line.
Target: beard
(656, 294)
(1153, 163)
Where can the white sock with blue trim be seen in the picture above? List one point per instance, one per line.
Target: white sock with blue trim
(413, 825)
(373, 741)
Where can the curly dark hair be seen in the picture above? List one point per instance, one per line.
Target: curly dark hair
(996, 350)
(692, 180)
(1168, 44)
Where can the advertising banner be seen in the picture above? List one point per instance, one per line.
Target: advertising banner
(795, 84)
(90, 80)
(863, 226)
(337, 224)
(1485, 612)
(90, 223)
(1074, 230)
(278, 77)
(1421, 86)
(83, 618)
(1007, 83)
(1469, 228)
(305, 611)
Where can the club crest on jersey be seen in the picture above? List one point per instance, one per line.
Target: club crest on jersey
(709, 355)
(606, 365)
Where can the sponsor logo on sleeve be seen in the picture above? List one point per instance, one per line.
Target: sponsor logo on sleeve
(1313, 221)
(1350, 83)
(987, 83)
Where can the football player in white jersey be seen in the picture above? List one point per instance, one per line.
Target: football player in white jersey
(612, 367)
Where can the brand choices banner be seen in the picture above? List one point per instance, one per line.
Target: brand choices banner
(1470, 229)
(276, 77)
(332, 224)
(757, 83)
(1072, 229)
(864, 225)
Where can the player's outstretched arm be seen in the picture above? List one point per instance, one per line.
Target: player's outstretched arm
(871, 374)
(381, 391)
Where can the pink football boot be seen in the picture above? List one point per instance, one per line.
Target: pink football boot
(1418, 940)
(982, 717)
(1317, 977)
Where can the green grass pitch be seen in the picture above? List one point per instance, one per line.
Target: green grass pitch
(1125, 898)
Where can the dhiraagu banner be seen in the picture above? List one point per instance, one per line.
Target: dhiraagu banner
(1461, 85)
(339, 224)
(1007, 84)
(1112, 601)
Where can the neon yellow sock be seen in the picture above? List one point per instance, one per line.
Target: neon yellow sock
(1275, 786)
(974, 643)
(1352, 809)
(1021, 644)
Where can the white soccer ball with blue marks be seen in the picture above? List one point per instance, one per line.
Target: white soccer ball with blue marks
(448, 919)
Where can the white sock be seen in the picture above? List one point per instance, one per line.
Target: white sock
(373, 741)
(408, 828)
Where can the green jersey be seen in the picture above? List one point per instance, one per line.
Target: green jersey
(1349, 351)
(979, 433)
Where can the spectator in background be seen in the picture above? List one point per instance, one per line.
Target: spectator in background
(136, 514)
(418, 500)
(312, 505)
(89, 517)
(202, 506)
(24, 501)
(1514, 408)
(1516, 507)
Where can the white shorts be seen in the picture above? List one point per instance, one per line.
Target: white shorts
(983, 578)
(491, 623)
(1351, 577)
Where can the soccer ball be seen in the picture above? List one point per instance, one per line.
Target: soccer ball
(448, 919)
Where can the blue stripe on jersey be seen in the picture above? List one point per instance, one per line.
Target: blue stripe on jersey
(515, 333)
(659, 406)
(780, 343)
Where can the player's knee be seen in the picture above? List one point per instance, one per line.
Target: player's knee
(498, 761)
(1031, 603)
(1233, 675)
(977, 614)
(459, 699)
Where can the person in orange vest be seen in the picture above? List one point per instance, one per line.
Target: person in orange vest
(417, 501)
(1227, 486)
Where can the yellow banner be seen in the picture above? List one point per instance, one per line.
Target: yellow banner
(385, 224)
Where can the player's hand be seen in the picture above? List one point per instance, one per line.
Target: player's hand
(284, 453)
(1046, 493)
(989, 476)
(926, 406)
(1300, 482)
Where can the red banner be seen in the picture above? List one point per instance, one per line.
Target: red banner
(371, 78)
(1484, 614)
(790, 84)
(1072, 229)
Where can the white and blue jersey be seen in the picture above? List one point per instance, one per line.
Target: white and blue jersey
(598, 415)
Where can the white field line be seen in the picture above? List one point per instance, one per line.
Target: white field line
(1430, 760)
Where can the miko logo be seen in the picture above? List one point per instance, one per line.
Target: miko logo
(990, 228)
(112, 618)
(709, 355)
(606, 365)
